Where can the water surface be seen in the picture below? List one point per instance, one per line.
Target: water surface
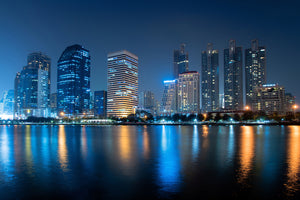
(149, 162)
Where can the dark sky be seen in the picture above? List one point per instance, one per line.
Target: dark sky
(151, 30)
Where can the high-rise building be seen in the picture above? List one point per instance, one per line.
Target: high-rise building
(255, 68)
(53, 104)
(157, 105)
(181, 61)
(7, 108)
(269, 98)
(169, 99)
(100, 103)
(233, 77)
(32, 87)
(122, 86)
(73, 81)
(53, 100)
(290, 102)
(17, 96)
(146, 100)
(210, 80)
(189, 92)
(222, 101)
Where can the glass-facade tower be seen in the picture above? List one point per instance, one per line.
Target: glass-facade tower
(122, 83)
(100, 103)
(255, 69)
(7, 105)
(32, 87)
(181, 61)
(210, 80)
(233, 77)
(169, 98)
(73, 81)
(146, 100)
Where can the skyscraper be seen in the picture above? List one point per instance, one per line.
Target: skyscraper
(73, 81)
(53, 104)
(189, 92)
(122, 83)
(233, 77)
(169, 99)
(7, 105)
(255, 68)
(32, 87)
(100, 103)
(181, 61)
(17, 96)
(210, 79)
(146, 100)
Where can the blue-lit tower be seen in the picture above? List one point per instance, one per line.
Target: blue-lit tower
(73, 81)
(100, 103)
(169, 99)
(32, 87)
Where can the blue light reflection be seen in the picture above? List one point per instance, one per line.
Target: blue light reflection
(7, 159)
(195, 142)
(169, 161)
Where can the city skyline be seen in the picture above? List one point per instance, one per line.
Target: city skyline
(149, 99)
(77, 100)
(151, 39)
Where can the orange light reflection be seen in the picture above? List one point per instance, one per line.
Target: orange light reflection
(124, 145)
(205, 142)
(62, 148)
(293, 160)
(146, 145)
(247, 152)
(83, 142)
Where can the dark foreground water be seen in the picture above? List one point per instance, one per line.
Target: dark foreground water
(149, 162)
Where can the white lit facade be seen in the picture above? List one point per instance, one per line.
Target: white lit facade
(188, 92)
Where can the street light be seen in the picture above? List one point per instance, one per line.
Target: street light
(247, 108)
(295, 107)
(62, 114)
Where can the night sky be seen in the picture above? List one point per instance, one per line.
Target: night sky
(151, 30)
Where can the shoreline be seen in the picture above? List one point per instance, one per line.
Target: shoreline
(159, 124)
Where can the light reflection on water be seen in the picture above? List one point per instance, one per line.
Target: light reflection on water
(156, 161)
(125, 146)
(247, 145)
(7, 159)
(169, 161)
(28, 150)
(84, 148)
(230, 143)
(196, 139)
(62, 148)
(146, 144)
(293, 160)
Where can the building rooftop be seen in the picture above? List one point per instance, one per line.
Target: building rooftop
(122, 52)
(190, 72)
